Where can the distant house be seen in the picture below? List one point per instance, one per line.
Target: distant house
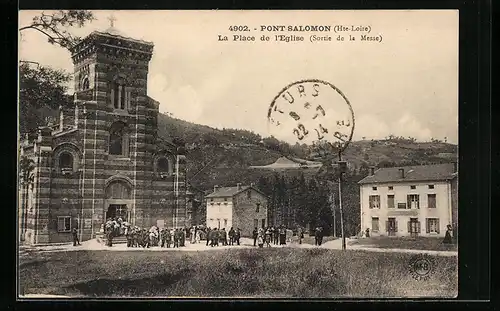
(410, 201)
(243, 207)
(284, 163)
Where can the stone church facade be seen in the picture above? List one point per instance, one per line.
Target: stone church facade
(104, 158)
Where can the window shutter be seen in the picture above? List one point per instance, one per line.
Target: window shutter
(60, 224)
(408, 202)
(396, 226)
(409, 227)
(418, 226)
(418, 201)
(387, 226)
(437, 225)
(428, 225)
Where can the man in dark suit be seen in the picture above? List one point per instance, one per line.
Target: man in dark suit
(76, 241)
(254, 235)
(208, 235)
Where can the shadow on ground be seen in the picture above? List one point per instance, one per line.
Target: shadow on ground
(129, 287)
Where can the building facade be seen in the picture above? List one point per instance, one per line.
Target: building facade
(104, 158)
(243, 207)
(410, 201)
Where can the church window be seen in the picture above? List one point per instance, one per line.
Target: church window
(66, 161)
(163, 166)
(117, 190)
(118, 139)
(120, 95)
(85, 83)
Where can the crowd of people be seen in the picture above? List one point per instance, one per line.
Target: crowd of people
(274, 235)
(177, 237)
(154, 236)
(216, 237)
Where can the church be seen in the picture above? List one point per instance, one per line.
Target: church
(104, 158)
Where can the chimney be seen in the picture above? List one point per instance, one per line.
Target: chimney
(238, 185)
(402, 172)
(372, 170)
(216, 187)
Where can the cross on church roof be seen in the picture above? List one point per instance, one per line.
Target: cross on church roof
(112, 20)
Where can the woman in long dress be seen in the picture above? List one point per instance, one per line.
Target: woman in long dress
(282, 232)
(447, 236)
(260, 238)
(198, 235)
(268, 237)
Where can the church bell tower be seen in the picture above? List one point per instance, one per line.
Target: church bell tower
(118, 122)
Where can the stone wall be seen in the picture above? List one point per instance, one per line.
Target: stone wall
(245, 211)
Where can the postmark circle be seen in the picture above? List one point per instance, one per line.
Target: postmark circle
(421, 267)
(312, 111)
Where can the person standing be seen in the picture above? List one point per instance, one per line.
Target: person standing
(213, 237)
(224, 237)
(282, 237)
(260, 238)
(447, 237)
(300, 235)
(237, 235)
(320, 236)
(176, 238)
(75, 237)
(198, 235)
(268, 237)
(208, 235)
(255, 235)
(193, 235)
(276, 235)
(231, 236)
(367, 232)
(183, 237)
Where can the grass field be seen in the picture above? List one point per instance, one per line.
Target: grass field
(276, 272)
(420, 243)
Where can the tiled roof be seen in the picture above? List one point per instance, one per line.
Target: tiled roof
(435, 172)
(226, 192)
(223, 192)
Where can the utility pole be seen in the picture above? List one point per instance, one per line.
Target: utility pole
(341, 172)
(333, 212)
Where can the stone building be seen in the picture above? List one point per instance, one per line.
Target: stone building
(104, 158)
(243, 207)
(410, 201)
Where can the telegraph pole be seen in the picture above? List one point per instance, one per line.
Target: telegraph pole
(341, 172)
(332, 202)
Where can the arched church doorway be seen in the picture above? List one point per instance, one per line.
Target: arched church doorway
(118, 203)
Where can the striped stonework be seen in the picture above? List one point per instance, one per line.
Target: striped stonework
(110, 72)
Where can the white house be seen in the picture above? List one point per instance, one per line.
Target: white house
(413, 200)
(243, 207)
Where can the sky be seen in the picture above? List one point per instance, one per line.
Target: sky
(406, 85)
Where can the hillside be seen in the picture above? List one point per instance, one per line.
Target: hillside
(222, 157)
